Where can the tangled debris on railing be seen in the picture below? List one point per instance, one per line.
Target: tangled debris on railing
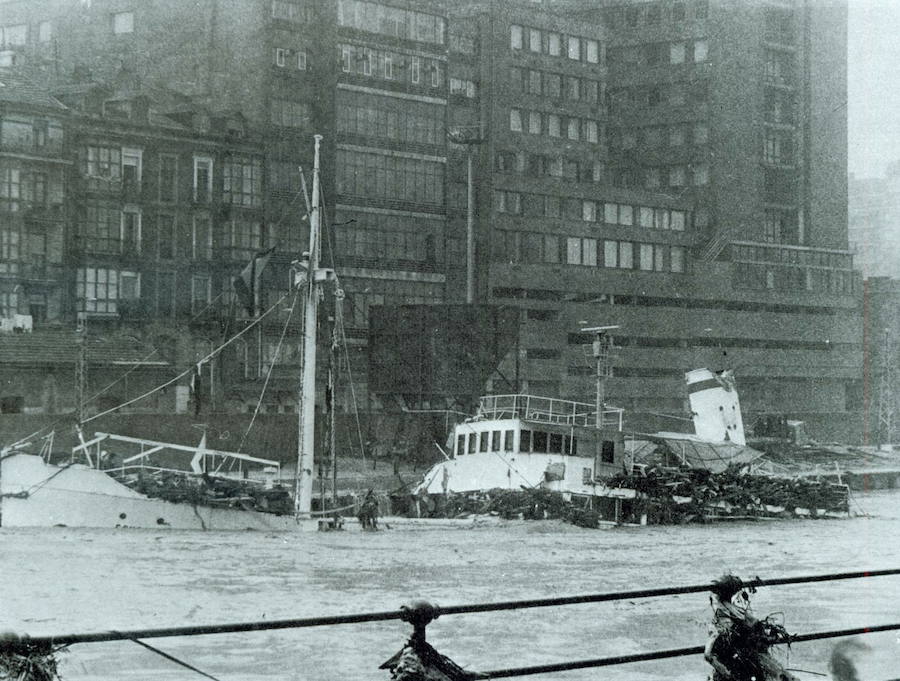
(418, 660)
(23, 660)
(739, 645)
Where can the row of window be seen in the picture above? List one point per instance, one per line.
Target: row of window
(104, 229)
(391, 21)
(34, 135)
(537, 441)
(654, 13)
(679, 94)
(553, 44)
(390, 178)
(291, 58)
(792, 278)
(294, 12)
(22, 248)
(543, 165)
(390, 118)
(463, 88)
(289, 114)
(365, 235)
(21, 186)
(554, 125)
(462, 43)
(391, 65)
(111, 168)
(657, 54)
(541, 248)
(656, 136)
(659, 301)
(590, 210)
(557, 85)
(791, 256)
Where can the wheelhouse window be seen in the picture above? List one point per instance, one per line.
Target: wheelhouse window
(495, 440)
(509, 440)
(460, 444)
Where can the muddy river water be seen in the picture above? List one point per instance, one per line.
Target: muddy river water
(66, 580)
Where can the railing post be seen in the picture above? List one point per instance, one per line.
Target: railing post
(417, 660)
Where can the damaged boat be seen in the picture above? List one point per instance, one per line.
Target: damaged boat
(579, 451)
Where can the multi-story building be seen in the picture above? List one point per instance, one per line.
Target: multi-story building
(708, 219)
(677, 168)
(370, 77)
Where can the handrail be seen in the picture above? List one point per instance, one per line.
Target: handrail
(403, 613)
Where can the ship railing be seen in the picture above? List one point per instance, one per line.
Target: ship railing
(547, 410)
(202, 458)
(420, 613)
(143, 468)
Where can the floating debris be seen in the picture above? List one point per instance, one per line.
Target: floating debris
(21, 660)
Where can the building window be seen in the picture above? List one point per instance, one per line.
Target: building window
(515, 120)
(515, 37)
(676, 176)
(10, 240)
(289, 114)
(10, 189)
(104, 163)
(97, 290)
(130, 233)
(534, 40)
(676, 259)
(131, 170)
(581, 251)
(463, 88)
(101, 229)
(534, 122)
(45, 32)
(701, 174)
(572, 129)
(242, 181)
(590, 131)
(573, 88)
(676, 136)
(245, 239)
(676, 53)
(508, 202)
(416, 70)
(574, 45)
(289, 11)
(589, 211)
(168, 178)
(553, 44)
(553, 125)
(701, 51)
(203, 175)
(592, 51)
(201, 293)
(201, 238)
(14, 36)
(123, 22)
(165, 234)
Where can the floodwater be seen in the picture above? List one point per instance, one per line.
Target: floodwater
(65, 580)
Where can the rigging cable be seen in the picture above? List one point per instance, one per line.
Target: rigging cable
(339, 319)
(262, 393)
(191, 368)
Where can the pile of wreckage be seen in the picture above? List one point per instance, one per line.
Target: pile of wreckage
(207, 490)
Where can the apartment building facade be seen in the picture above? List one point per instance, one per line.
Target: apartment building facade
(712, 224)
(647, 164)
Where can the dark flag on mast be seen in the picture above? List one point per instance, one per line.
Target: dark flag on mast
(246, 284)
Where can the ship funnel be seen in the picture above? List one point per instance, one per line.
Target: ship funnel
(715, 406)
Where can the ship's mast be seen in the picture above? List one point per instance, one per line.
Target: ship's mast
(307, 399)
(601, 347)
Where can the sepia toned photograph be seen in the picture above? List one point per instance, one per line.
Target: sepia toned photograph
(445, 340)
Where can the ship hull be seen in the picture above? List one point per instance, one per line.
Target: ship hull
(36, 494)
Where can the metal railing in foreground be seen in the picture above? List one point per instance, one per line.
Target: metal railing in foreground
(421, 613)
